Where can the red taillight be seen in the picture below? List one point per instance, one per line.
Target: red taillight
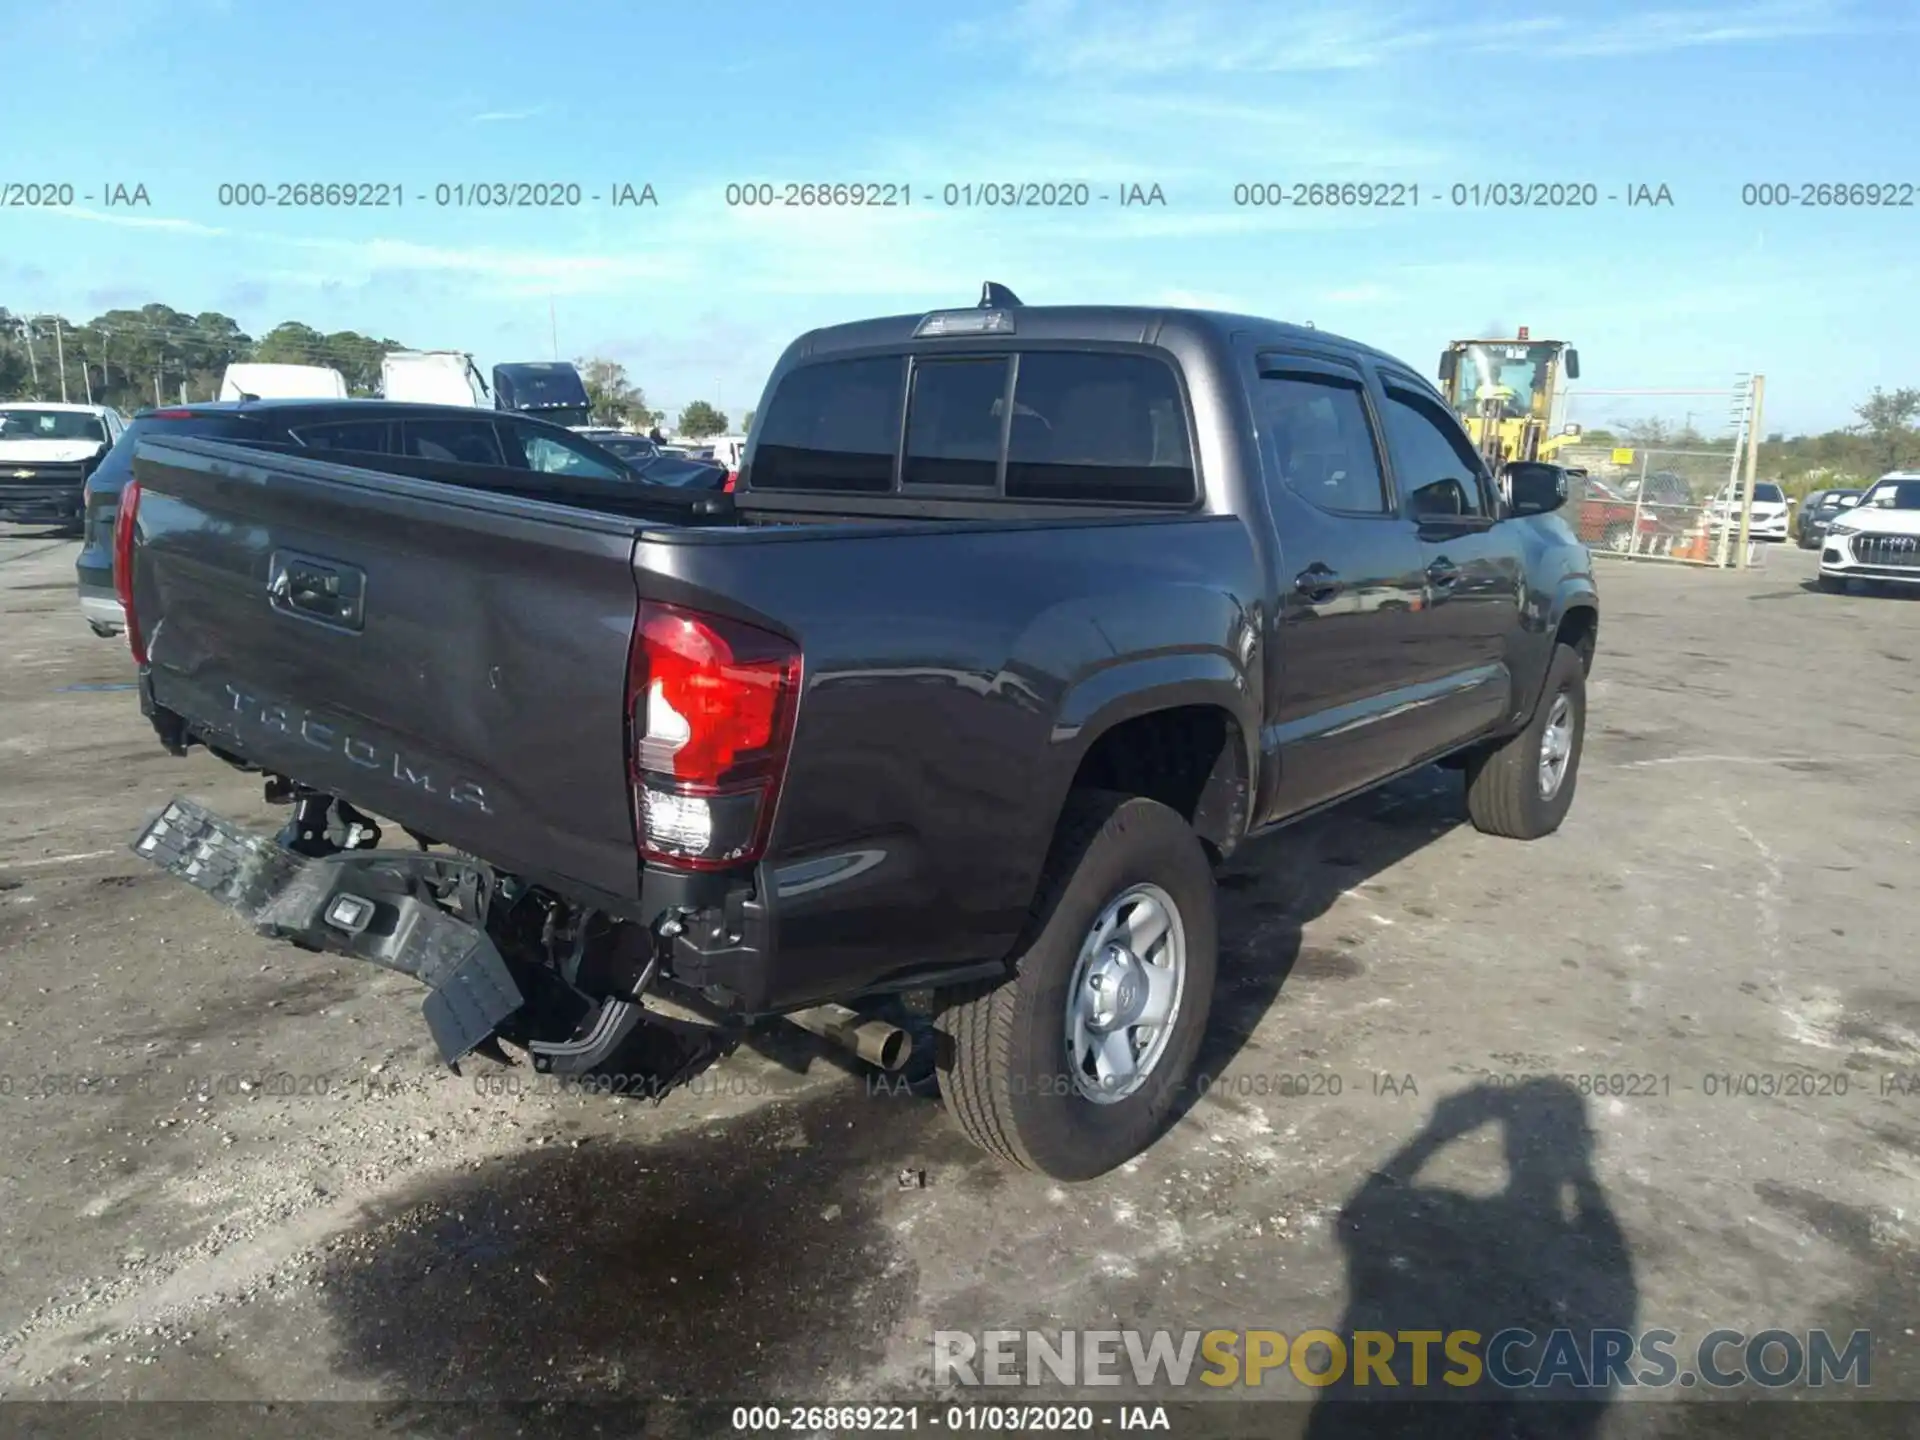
(710, 709)
(733, 479)
(123, 532)
(169, 415)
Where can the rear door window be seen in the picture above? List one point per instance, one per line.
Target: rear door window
(1097, 428)
(954, 423)
(469, 442)
(364, 436)
(1318, 439)
(833, 426)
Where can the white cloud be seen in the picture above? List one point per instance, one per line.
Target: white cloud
(487, 117)
(1128, 39)
(130, 221)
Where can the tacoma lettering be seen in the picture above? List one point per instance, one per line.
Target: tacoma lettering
(265, 715)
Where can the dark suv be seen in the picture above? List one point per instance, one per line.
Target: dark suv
(1818, 511)
(443, 433)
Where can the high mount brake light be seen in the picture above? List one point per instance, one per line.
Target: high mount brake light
(123, 532)
(965, 322)
(710, 712)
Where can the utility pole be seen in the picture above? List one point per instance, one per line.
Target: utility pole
(60, 352)
(1753, 448)
(33, 361)
(86, 375)
(157, 401)
(1739, 414)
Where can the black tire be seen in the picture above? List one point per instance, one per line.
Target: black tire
(1005, 1069)
(1503, 784)
(1617, 538)
(1831, 584)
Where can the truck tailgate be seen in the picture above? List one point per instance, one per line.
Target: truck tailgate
(449, 659)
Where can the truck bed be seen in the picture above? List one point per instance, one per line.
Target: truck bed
(473, 602)
(950, 667)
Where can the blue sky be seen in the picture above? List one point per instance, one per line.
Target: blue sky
(697, 298)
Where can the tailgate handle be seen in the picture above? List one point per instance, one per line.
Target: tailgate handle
(324, 591)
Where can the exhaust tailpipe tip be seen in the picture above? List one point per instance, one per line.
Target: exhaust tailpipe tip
(874, 1041)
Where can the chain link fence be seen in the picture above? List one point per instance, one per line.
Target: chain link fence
(1671, 492)
(1664, 504)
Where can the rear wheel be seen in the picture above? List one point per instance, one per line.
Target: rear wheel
(1618, 538)
(1072, 1066)
(1523, 788)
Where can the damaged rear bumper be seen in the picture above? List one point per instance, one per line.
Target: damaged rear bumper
(359, 904)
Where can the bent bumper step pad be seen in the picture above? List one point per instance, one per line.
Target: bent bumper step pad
(355, 904)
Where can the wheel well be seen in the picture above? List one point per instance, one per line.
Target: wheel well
(1189, 758)
(1580, 628)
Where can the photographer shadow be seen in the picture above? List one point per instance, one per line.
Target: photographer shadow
(1545, 1253)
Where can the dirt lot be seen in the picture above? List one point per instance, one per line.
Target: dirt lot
(1732, 897)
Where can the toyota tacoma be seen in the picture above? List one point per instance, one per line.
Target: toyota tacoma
(1019, 621)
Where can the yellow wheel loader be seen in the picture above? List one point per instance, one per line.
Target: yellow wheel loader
(1504, 390)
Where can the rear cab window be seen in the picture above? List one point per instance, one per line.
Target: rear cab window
(1043, 424)
(833, 426)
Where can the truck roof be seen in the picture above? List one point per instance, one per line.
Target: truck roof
(76, 408)
(1111, 323)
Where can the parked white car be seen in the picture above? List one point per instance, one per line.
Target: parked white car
(47, 450)
(1878, 539)
(1770, 510)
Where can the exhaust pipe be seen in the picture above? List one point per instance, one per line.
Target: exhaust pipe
(874, 1041)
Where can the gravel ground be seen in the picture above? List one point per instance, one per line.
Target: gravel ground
(270, 1191)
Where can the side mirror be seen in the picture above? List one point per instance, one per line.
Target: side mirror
(1533, 487)
(1847, 502)
(1449, 360)
(1573, 364)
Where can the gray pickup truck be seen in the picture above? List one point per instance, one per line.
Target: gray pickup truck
(1019, 621)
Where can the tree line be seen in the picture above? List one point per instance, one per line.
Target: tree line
(1885, 436)
(156, 355)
